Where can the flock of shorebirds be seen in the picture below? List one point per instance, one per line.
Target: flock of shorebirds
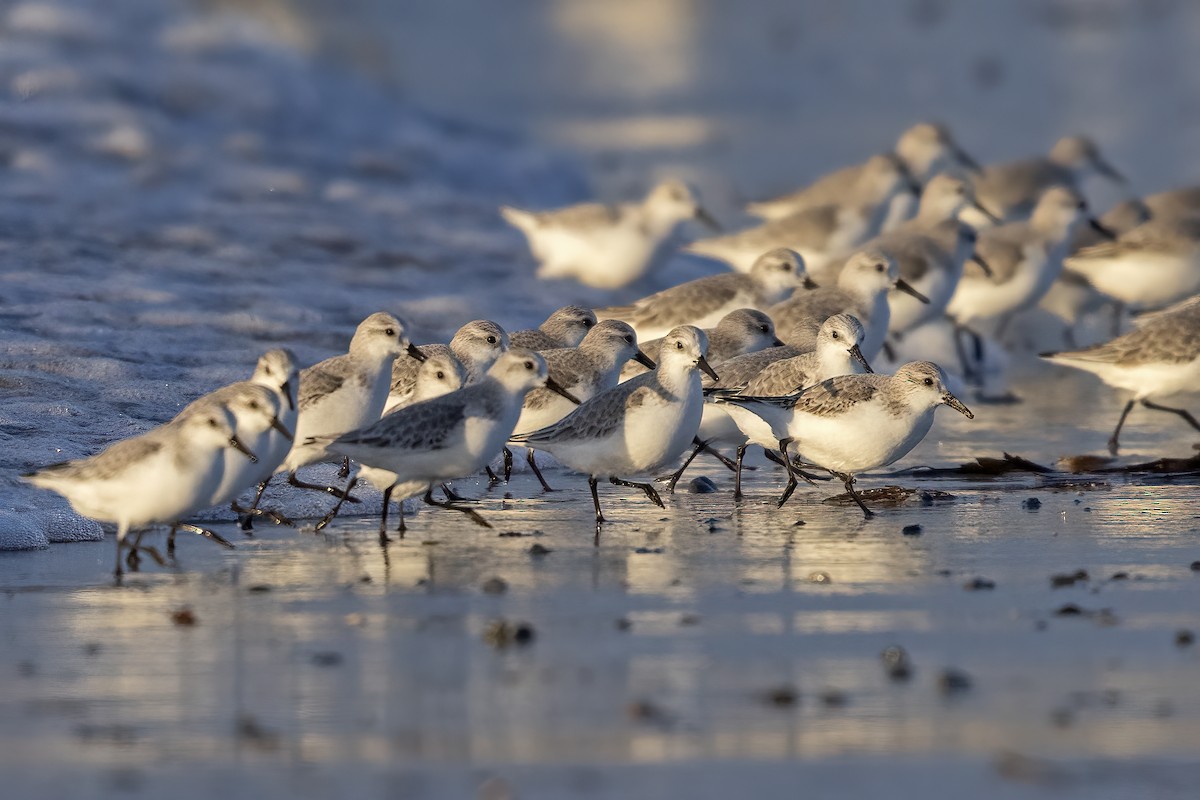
(775, 352)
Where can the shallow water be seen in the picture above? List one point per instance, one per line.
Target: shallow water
(317, 656)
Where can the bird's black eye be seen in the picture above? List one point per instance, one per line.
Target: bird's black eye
(929, 381)
(212, 423)
(786, 267)
(491, 340)
(679, 345)
(834, 334)
(764, 328)
(880, 267)
(587, 323)
(628, 340)
(528, 365)
(441, 374)
(390, 331)
(254, 405)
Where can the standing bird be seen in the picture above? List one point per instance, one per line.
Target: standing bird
(607, 246)
(276, 370)
(564, 328)
(450, 436)
(256, 411)
(1011, 190)
(854, 423)
(704, 301)
(861, 290)
(837, 353)
(819, 233)
(739, 332)
(1024, 259)
(583, 372)
(922, 150)
(929, 251)
(636, 426)
(1071, 296)
(345, 392)
(439, 374)
(157, 478)
(476, 345)
(1160, 358)
(1151, 266)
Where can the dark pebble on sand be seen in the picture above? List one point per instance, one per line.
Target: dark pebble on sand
(1195, 566)
(184, 617)
(1120, 576)
(259, 588)
(953, 681)
(701, 485)
(1031, 504)
(979, 584)
(781, 697)
(647, 550)
(1184, 638)
(502, 633)
(1069, 610)
(1068, 578)
(911, 530)
(327, 658)
(896, 663)
(495, 586)
(536, 549)
(834, 698)
(624, 623)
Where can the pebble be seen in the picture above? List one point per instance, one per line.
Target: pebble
(184, 617)
(911, 530)
(495, 586)
(979, 584)
(1184, 638)
(536, 549)
(1031, 504)
(1068, 578)
(701, 485)
(952, 681)
(896, 663)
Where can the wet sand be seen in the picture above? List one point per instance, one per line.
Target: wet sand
(707, 649)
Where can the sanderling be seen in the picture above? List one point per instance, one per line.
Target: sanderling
(1160, 358)
(853, 423)
(1151, 266)
(276, 371)
(156, 478)
(739, 332)
(704, 301)
(607, 246)
(837, 353)
(1011, 190)
(564, 328)
(1023, 259)
(583, 372)
(819, 233)
(1183, 202)
(922, 150)
(345, 392)
(929, 251)
(439, 374)
(861, 290)
(476, 345)
(636, 426)
(450, 436)
(1072, 295)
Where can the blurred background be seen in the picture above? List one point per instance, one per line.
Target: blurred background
(752, 98)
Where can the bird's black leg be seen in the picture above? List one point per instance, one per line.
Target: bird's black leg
(1112, 440)
(533, 466)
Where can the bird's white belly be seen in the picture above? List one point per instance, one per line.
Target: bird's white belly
(765, 426)
(1145, 280)
(859, 440)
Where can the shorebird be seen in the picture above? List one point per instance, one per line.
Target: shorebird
(636, 426)
(854, 423)
(861, 290)
(1160, 358)
(157, 478)
(1010, 190)
(922, 150)
(450, 436)
(823, 232)
(566, 327)
(704, 301)
(607, 246)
